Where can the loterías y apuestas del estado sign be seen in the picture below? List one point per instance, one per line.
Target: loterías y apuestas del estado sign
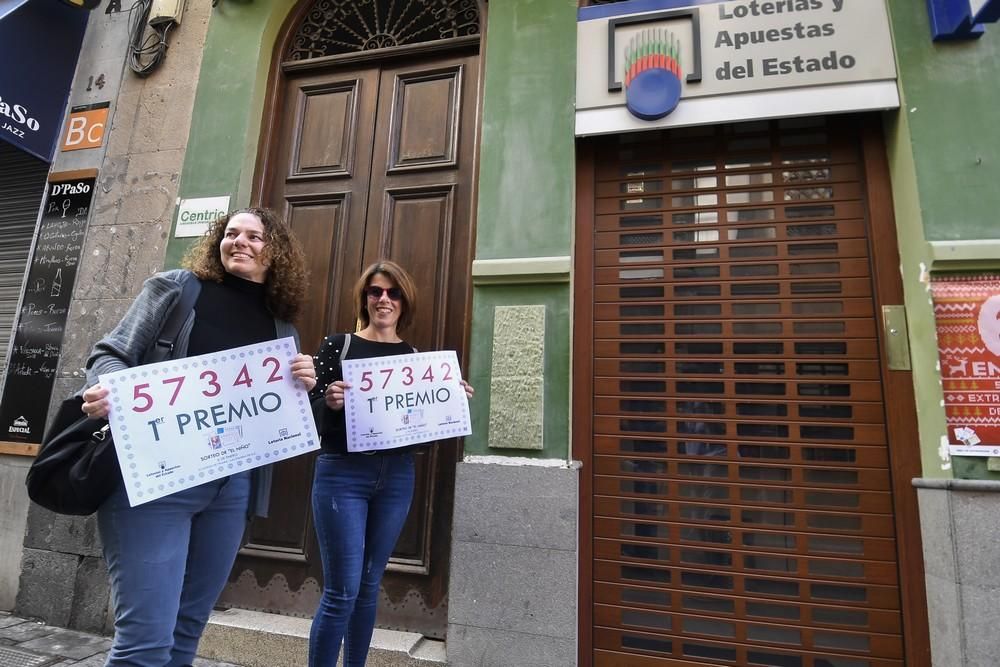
(688, 63)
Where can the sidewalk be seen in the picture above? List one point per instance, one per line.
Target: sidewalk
(25, 643)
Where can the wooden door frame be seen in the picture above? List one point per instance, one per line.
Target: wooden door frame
(901, 417)
(901, 411)
(583, 401)
(268, 167)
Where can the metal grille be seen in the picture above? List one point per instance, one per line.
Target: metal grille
(333, 27)
(742, 504)
(12, 657)
(22, 185)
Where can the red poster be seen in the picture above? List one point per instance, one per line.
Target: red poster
(967, 312)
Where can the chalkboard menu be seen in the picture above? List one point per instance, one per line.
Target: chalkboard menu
(31, 366)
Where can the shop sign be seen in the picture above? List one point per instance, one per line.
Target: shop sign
(85, 126)
(662, 63)
(41, 322)
(39, 46)
(967, 313)
(195, 215)
(961, 19)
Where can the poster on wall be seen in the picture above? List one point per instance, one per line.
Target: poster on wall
(967, 315)
(34, 356)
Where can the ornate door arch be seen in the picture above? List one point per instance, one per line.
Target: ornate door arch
(368, 150)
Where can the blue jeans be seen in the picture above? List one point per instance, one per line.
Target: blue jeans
(169, 560)
(360, 503)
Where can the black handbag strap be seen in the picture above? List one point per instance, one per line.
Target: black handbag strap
(171, 329)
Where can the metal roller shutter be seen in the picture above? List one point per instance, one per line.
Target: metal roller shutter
(742, 509)
(22, 186)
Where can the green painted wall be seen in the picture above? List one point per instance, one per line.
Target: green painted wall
(952, 102)
(526, 190)
(914, 263)
(944, 164)
(555, 298)
(225, 126)
(527, 158)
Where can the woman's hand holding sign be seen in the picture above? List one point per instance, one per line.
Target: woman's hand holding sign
(335, 394)
(95, 402)
(304, 371)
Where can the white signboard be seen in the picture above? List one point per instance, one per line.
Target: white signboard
(404, 400)
(180, 423)
(735, 60)
(195, 215)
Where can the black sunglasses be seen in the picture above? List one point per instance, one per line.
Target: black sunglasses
(375, 292)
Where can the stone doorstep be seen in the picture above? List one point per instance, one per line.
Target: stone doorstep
(256, 639)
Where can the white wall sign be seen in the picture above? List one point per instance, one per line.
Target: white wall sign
(194, 215)
(737, 60)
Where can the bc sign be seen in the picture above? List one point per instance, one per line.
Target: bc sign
(85, 126)
(961, 19)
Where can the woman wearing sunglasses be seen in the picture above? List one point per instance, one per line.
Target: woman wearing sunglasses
(360, 500)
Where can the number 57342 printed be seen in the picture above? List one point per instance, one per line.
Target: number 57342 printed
(404, 400)
(184, 422)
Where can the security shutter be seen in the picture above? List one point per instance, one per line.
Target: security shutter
(742, 511)
(22, 185)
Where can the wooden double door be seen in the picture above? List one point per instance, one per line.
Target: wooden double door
(371, 161)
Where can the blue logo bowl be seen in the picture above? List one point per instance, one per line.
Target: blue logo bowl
(653, 94)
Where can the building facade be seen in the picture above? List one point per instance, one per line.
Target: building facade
(712, 423)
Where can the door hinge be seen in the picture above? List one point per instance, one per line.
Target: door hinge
(897, 340)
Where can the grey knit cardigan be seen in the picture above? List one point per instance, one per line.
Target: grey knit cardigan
(126, 346)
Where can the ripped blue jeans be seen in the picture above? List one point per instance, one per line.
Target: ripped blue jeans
(360, 503)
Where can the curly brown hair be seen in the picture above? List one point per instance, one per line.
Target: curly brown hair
(286, 280)
(400, 278)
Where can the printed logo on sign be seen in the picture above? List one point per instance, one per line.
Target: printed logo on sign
(225, 436)
(85, 126)
(653, 74)
(19, 115)
(411, 414)
(20, 425)
(650, 53)
(967, 436)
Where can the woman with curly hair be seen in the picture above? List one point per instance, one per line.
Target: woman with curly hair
(169, 559)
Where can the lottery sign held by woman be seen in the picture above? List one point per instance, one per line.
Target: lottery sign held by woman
(184, 422)
(404, 400)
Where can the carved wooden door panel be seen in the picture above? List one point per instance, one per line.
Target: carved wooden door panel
(368, 163)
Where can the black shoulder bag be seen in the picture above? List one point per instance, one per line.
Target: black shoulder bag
(76, 468)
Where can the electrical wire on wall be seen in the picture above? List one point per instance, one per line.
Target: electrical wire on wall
(146, 53)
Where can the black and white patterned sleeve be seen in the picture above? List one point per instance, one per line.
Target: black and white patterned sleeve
(327, 361)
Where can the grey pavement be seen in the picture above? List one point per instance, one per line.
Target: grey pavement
(27, 643)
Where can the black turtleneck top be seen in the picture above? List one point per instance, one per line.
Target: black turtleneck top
(230, 314)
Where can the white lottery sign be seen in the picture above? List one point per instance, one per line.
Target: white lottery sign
(404, 400)
(180, 423)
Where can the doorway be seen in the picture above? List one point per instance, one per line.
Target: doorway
(747, 451)
(369, 156)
